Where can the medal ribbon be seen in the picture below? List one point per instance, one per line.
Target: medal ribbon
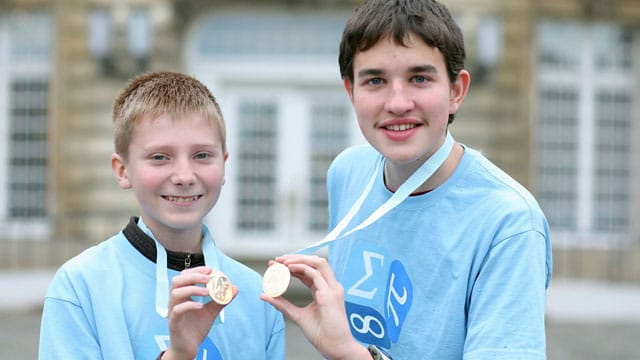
(162, 272)
(424, 172)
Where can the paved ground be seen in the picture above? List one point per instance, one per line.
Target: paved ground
(586, 321)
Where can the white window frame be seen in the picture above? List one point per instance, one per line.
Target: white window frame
(12, 229)
(587, 81)
(288, 81)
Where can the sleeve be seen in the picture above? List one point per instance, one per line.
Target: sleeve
(506, 306)
(65, 331)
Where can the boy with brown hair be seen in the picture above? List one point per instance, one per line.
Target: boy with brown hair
(442, 255)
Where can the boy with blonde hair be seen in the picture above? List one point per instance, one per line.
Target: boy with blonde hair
(141, 294)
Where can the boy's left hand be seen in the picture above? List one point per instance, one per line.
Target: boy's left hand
(324, 320)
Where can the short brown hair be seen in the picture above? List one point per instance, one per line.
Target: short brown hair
(430, 20)
(157, 93)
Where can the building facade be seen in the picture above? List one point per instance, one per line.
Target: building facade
(554, 101)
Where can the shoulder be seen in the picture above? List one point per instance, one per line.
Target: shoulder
(354, 154)
(495, 179)
(353, 160)
(81, 270)
(506, 195)
(96, 255)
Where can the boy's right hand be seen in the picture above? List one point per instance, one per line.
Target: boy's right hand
(189, 320)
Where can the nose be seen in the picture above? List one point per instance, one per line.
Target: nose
(399, 99)
(183, 173)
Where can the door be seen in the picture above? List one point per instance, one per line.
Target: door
(281, 140)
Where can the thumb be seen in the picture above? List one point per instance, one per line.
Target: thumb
(290, 310)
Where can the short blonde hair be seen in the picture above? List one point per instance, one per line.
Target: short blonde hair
(157, 93)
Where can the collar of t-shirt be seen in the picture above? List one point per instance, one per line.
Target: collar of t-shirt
(176, 260)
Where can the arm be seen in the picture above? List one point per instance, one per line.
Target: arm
(65, 332)
(506, 305)
(324, 320)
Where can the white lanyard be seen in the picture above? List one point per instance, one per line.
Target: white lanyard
(424, 172)
(162, 272)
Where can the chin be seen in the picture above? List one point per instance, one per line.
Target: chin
(184, 222)
(402, 158)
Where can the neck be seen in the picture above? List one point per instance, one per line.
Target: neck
(397, 173)
(178, 240)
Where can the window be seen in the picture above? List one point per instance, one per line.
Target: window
(257, 163)
(287, 117)
(585, 133)
(281, 142)
(25, 53)
(270, 35)
(328, 138)
(27, 150)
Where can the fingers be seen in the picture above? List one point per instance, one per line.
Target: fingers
(316, 274)
(189, 284)
(304, 267)
(186, 283)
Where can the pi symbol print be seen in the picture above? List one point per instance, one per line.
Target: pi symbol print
(398, 299)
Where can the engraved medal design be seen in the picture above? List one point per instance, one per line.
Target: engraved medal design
(276, 280)
(219, 287)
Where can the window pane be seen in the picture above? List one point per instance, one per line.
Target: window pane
(279, 35)
(558, 149)
(613, 156)
(613, 49)
(257, 166)
(28, 149)
(30, 37)
(329, 135)
(560, 45)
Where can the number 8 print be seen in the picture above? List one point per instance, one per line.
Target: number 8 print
(366, 325)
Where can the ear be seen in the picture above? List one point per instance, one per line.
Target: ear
(348, 85)
(226, 156)
(119, 168)
(458, 91)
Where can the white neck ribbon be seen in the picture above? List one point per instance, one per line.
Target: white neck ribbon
(422, 174)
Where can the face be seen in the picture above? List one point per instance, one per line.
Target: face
(176, 170)
(402, 98)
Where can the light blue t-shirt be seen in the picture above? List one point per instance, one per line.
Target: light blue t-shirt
(457, 273)
(101, 305)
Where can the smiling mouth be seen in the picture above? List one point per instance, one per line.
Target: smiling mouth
(182, 199)
(401, 127)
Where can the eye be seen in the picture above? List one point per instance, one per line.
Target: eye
(158, 157)
(420, 79)
(375, 81)
(202, 156)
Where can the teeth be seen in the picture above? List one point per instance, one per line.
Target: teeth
(401, 127)
(181, 199)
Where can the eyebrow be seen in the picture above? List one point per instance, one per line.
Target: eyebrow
(424, 69)
(413, 70)
(370, 72)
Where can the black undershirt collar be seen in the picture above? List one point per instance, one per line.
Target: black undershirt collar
(176, 260)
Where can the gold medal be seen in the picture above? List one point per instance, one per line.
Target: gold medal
(276, 280)
(219, 287)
